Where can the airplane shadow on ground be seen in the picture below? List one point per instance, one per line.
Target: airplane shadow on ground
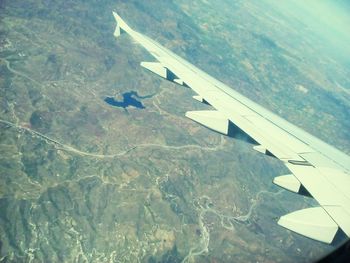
(130, 98)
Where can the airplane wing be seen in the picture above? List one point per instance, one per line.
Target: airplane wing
(316, 168)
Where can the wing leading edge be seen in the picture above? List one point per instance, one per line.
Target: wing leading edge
(317, 169)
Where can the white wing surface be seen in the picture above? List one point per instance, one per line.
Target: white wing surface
(316, 168)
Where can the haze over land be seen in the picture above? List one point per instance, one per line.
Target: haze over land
(82, 180)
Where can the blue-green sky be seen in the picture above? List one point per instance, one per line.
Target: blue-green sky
(328, 19)
(330, 16)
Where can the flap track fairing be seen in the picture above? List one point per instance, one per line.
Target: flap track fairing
(311, 222)
(158, 69)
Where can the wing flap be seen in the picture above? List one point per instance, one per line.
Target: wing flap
(312, 222)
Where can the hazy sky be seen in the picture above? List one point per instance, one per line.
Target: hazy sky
(333, 14)
(330, 19)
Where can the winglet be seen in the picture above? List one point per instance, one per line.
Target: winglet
(121, 25)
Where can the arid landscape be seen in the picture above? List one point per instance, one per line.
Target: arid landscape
(82, 180)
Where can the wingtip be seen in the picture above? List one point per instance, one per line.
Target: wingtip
(121, 23)
(116, 16)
